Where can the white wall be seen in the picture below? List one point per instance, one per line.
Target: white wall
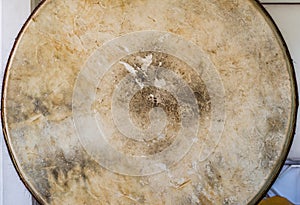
(13, 15)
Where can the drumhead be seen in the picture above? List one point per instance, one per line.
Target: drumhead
(149, 102)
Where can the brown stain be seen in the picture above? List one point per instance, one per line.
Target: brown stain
(139, 107)
(213, 175)
(180, 68)
(77, 179)
(142, 101)
(40, 107)
(96, 185)
(63, 172)
(204, 200)
(275, 123)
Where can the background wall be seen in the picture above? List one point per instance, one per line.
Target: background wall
(15, 12)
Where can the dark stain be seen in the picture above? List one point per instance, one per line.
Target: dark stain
(275, 123)
(84, 176)
(61, 170)
(55, 173)
(180, 68)
(139, 107)
(151, 97)
(62, 165)
(213, 175)
(142, 102)
(40, 107)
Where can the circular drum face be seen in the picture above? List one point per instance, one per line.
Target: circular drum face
(149, 102)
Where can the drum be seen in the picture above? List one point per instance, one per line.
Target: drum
(149, 102)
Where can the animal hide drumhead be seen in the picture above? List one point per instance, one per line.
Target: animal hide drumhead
(149, 102)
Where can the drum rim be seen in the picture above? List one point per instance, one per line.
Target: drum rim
(291, 128)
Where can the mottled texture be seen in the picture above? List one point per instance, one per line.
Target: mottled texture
(149, 102)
